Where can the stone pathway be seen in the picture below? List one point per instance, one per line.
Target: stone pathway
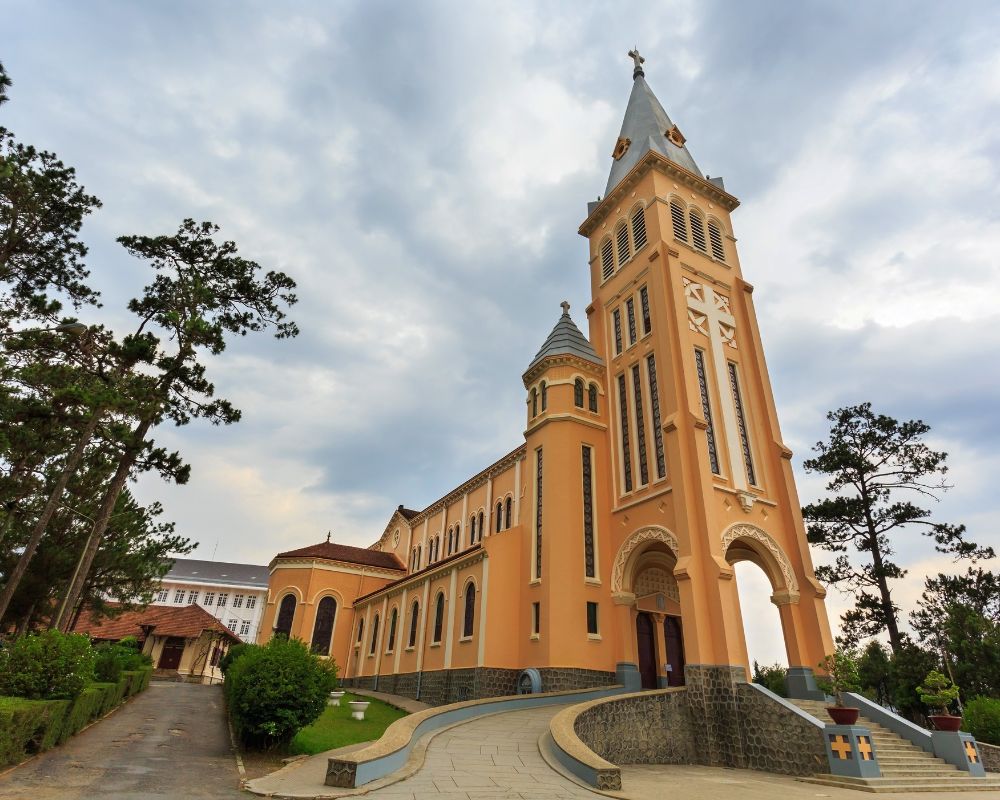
(491, 757)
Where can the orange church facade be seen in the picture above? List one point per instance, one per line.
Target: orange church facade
(601, 549)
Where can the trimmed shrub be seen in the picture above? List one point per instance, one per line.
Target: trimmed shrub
(46, 666)
(233, 653)
(275, 690)
(981, 718)
(85, 708)
(140, 680)
(28, 726)
(113, 658)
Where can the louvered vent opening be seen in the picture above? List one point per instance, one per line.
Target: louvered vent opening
(607, 259)
(639, 229)
(715, 236)
(622, 236)
(698, 232)
(680, 224)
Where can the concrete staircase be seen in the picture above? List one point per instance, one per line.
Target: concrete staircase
(905, 767)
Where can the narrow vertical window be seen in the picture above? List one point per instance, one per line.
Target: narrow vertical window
(482, 530)
(323, 627)
(534, 402)
(741, 422)
(414, 619)
(639, 228)
(654, 403)
(626, 442)
(361, 629)
(630, 309)
(647, 323)
(706, 409)
(678, 220)
(536, 618)
(510, 514)
(621, 236)
(578, 392)
(715, 238)
(374, 642)
(420, 555)
(458, 536)
(607, 259)
(470, 610)
(392, 631)
(616, 316)
(472, 529)
(438, 617)
(640, 424)
(499, 525)
(545, 396)
(592, 627)
(698, 231)
(588, 512)
(286, 613)
(538, 515)
(592, 396)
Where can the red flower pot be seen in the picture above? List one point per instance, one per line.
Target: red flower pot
(843, 715)
(946, 722)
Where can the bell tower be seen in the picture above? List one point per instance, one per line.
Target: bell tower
(699, 476)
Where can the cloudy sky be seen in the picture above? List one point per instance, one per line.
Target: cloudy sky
(421, 169)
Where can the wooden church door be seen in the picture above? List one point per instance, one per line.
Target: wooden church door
(173, 649)
(646, 640)
(673, 636)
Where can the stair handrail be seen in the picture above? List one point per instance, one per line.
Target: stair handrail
(899, 725)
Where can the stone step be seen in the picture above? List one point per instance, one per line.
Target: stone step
(901, 761)
(907, 786)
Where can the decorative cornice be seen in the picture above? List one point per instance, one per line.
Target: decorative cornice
(467, 559)
(367, 568)
(653, 160)
(561, 360)
(568, 417)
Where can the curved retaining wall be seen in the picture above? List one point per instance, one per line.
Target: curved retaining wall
(390, 752)
(746, 727)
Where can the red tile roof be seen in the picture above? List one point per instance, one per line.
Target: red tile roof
(184, 621)
(408, 513)
(332, 551)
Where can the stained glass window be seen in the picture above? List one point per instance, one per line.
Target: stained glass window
(588, 512)
(741, 422)
(654, 402)
(626, 440)
(640, 424)
(706, 409)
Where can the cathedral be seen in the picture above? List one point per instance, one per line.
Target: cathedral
(599, 550)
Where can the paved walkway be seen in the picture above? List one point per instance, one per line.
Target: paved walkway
(169, 742)
(396, 700)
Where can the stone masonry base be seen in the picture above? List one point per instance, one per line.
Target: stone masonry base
(441, 687)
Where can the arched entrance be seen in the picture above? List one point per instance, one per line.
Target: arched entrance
(646, 642)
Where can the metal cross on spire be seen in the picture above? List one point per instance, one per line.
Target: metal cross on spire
(328, 535)
(639, 61)
(565, 307)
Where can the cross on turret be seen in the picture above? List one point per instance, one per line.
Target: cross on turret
(565, 307)
(639, 61)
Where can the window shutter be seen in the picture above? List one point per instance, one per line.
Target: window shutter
(639, 229)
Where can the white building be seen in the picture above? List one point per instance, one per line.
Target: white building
(235, 594)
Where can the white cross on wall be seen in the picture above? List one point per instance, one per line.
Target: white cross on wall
(709, 313)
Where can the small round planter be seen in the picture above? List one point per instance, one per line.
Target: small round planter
(946, 722)
(358, 708)
(335, 698)
(843, 715)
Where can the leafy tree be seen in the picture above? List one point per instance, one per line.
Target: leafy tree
(770, 677)
(876, 467)
(203, 292)
(5, 84)
(907, 671)
(46, 666)
(875, 672)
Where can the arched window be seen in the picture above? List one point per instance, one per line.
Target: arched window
(678, 219)
(510, 517)
(470, 609)
(499, 517)
(472, 529)
(592, 393)
(458, 536)
(639, 228)
(420, 555)
(451, 534)
(621, 238)
(545, 395)
(698, 231)
(534, 402)
(438, 617)
(323, 628)
(392, 631)
(578, 392)
(371, 649)
(414, 618)
(361, 629)
(482, 520)
(715, 238)
(607, 259)
(286, 613)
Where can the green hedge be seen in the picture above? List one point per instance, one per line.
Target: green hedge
(31, 726)
(982, 719)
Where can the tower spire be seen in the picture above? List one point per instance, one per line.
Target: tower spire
(637, 71)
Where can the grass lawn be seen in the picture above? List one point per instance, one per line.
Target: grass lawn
(335, 728)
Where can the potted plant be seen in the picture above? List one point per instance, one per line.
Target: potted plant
(937, 693)
(841, 676)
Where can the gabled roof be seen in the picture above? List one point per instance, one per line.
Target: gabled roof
(193, 569)
(331, 551)
(645, 126)
(408, 513)
(566, 338)
(187, 622)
